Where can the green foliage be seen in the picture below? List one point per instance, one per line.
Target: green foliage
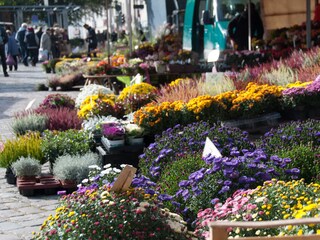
(30, 122)
(179, 170)
(72, 142)
(289, 135)
(304, 157)
(23, 146)
(75, 167)
(26, 166)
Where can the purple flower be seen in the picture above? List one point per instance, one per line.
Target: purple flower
(64, 192)
(165, 197)
(184, 183)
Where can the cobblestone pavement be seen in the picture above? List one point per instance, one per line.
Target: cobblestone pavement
(20, 215)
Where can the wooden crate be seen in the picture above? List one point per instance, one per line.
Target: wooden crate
(218, 229)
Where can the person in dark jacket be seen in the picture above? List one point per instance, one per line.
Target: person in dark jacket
(12, 49)
(32, 41)
(91, 39)
(238, 27)
(22, 45)
(3, 41)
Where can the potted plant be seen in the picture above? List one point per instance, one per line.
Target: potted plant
(113, 134)
(134, 134)
(26, 169)
(72, 169)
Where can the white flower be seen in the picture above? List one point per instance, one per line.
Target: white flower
(94, 167)
(85, 180)
(123, 166)
(107, 166)
(116, 170)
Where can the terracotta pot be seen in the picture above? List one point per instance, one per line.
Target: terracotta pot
(27, 178)
(68, 182)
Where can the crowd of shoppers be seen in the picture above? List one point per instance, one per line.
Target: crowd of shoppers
(29, 45)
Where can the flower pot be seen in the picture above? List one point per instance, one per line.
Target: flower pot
(116, 143)
(48, 70)
(135, 141)
(11, 178)
(27, 178)
(68, 183)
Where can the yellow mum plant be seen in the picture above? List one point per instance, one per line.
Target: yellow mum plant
(100, 104)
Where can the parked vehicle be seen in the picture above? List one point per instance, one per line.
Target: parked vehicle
(206, 21)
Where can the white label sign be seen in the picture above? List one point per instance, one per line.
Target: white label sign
(210, 148)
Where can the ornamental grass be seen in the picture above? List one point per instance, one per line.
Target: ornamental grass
(274, 200)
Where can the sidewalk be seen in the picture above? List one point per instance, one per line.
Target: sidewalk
(20, 215)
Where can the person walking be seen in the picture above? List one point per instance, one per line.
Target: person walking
(92, 40)
(238, 27)
(32, 41)
(3, 41)
(45, 42)
(20, 36)
(13, 50)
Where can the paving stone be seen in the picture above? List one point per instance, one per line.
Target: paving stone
(7, 226)
(9, 237)
(21, 215)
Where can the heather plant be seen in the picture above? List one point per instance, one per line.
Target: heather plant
(57, 100)
(272, 200)
(22, 146)
(72, 142)
(179, 141)
(61, 119)
(292, 134)
(280, 76)
(75, 167)
(242, 170)
(98, 213)
(30, 121)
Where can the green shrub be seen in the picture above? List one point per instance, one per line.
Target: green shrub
(30, 122)
(72, 142)
(179, 170)
(23, 146)
(26, 166)
(290, 135)
(304, 157)
(75, 167)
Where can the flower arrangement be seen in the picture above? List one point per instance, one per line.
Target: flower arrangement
(136, 89)
(144, 49)
(102, 105)
(273, 200)
(243, 170)
(132, 214)
(183, 140)
(113, 130)
(117, 60)
(134, 131)
(256, 99)
(89, 90)
(137, 95)
(56, 101)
